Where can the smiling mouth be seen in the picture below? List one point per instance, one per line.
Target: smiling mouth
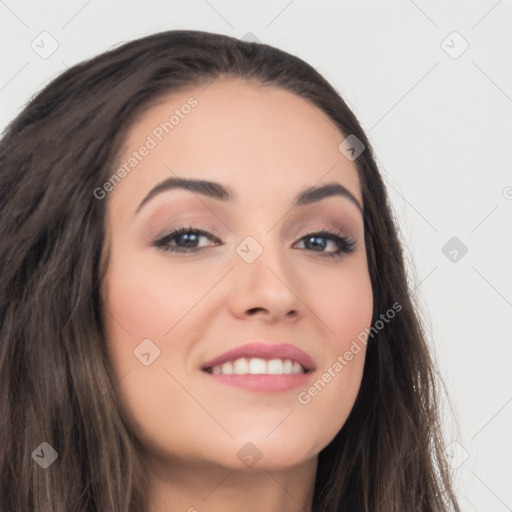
(257, 366)
(261, 358)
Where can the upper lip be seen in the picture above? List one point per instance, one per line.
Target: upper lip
(265, 351)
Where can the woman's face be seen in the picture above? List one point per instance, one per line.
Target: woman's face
(260, 275)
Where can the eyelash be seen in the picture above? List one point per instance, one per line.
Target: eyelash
(345, 245)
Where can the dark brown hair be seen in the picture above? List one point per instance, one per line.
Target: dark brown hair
(56, 383)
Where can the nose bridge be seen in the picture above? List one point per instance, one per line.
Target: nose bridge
(261, 251)
(263, 279)
(261, 240)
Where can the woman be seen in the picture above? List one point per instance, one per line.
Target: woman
(277, 365)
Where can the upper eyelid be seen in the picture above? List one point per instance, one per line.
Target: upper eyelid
(331, 224)
(322, 215)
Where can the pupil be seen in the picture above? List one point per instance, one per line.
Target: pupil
(316, 238)
(190, 237)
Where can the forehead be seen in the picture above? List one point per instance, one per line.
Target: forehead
(237, 132)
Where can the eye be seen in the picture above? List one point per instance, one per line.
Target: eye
(345, 245)
(188, 236)
(185, 240)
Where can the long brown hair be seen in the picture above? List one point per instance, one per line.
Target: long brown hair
(56, 383)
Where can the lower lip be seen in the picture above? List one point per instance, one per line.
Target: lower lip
(263, 382)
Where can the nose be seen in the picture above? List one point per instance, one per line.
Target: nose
(266, 288)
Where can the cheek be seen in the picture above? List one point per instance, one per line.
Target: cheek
(143, 303)
(344, 303)
(145, 300)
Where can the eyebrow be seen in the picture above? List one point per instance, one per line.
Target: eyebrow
(222, 193)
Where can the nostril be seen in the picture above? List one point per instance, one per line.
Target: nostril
(255, 310)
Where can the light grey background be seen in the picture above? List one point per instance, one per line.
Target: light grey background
(441, 125)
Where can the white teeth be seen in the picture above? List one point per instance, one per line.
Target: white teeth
(240, 367)
(257, 366)
(287, 366)
(275, 367)
(226, 368)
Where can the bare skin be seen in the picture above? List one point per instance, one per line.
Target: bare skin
(266, 145)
